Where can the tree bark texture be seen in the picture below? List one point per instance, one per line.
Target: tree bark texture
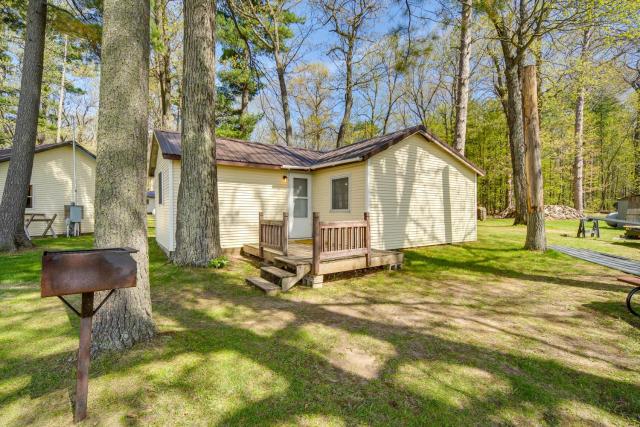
(197, 234)
(536, 239)
(16, 187)
(462, 88)
(125, 319)
(516, 140)
(348, 97)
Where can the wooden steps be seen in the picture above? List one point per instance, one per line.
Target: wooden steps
(285, 274)
(264, 285)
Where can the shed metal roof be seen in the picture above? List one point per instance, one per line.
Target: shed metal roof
(247, 153)
(5, 154)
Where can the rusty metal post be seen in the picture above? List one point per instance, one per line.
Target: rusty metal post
(84, 357)
(316, 241)
(285, 233)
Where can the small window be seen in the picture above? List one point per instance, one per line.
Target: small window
(30, 196)
(159, 188)
(340, 194)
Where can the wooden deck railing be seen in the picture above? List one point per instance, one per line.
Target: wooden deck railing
(273, 234)
(338, 239)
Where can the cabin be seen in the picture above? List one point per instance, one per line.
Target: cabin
(400, 190)
(51, 188)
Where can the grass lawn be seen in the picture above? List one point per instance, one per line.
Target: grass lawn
(471, 334)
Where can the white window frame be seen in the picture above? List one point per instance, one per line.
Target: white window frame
(333, 178)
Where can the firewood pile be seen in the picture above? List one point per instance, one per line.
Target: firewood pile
(550, 212)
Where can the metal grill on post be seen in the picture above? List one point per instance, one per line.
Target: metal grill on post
(85, 272)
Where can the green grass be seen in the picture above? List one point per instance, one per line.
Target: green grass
(477, 333)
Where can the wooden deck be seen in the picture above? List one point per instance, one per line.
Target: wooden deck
(300, 253)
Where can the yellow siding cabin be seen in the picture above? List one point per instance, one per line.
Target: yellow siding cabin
(51, 187)
(416, 189)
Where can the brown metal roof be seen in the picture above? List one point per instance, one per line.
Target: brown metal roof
(233, 151)
(5, 154)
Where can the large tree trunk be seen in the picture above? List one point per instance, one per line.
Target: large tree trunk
(348, 98)
(284, 99)
(536, 239)
(14, 197)
(578, 161)
(197, 233)
(516, 140)
(121, 168)
(462, 89)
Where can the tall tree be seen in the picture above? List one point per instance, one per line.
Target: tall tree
(348, 19)
(578, 133)
(197, 233)
(462, 92)
(536, 239)
(160, 42)
(14, 197)
(270, 24)
(518, 24)
(121, 168)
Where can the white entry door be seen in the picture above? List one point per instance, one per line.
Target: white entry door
(299, 206)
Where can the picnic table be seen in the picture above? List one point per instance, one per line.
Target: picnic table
(626, 265)
(40, 217)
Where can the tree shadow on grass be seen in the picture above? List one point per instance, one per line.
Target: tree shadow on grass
(317, 387)
(480, 265)
(615, 310)
(322, 388)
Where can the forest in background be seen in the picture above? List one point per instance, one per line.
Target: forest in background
(398, 64)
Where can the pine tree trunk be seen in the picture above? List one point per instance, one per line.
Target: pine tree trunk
(14, 197)
(348, 99)
(121, 169)
(536, 239)
(462, 88)
(578, 161)
(516, 140)
(197, 233)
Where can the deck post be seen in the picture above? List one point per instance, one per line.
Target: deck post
(368, 238)
(260, 247)
(316, 238)
(285, 233)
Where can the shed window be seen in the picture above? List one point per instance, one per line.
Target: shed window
(340, 194)
(159, 188)
(30, 196)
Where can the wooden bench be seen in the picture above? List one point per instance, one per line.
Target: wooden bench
(40, 217)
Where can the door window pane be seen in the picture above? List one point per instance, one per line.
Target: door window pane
(300, 208)
(340, 193)
(299, 187)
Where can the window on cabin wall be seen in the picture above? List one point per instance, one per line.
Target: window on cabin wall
(340, 193)
(30, 197)
(159, 188)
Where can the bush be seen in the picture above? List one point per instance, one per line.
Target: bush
(219, 262)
